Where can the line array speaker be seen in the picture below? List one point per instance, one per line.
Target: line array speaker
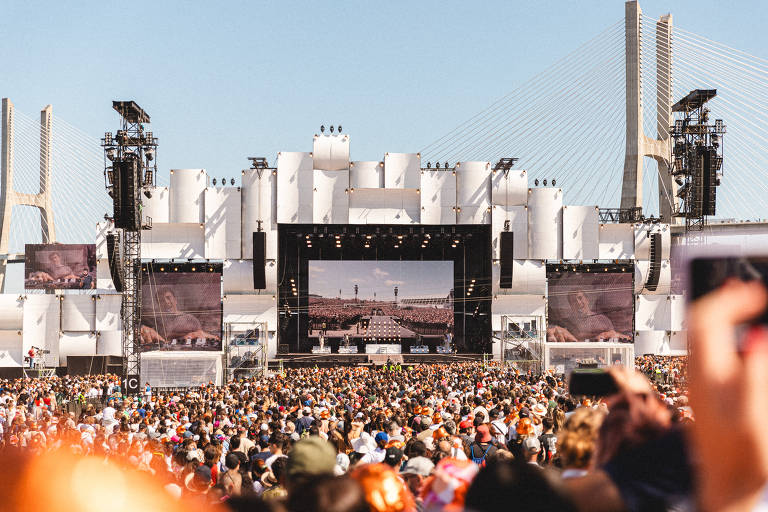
(655, 270)
(113, 256)
(506, 257)
(126, 212)
(259, 260)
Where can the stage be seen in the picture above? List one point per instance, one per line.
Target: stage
(302, 360)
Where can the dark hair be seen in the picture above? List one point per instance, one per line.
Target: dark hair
(232, 460)
(328, 494)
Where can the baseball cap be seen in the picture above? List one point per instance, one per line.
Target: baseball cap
(382, 436)
(393, 456)
(418, 466)
(311, 456)
(532, 445)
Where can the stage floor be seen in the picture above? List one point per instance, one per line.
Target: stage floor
(329, 360)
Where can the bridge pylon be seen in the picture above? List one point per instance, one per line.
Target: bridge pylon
(638, 145)
(10, 197)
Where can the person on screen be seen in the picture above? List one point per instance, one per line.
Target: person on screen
(172, 324)
(583, 323)
(57, 270)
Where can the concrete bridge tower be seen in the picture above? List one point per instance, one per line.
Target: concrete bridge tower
(10, 198)
(638, 145)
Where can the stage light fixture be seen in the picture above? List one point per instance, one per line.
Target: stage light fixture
(553, 182)
(545, 183)
(322, 128)
(149, 154)
(111, 154)
(679, 181)
(429, 165)
(232, 181)
(446, 165)
(536, 182)
(331, 128)
(437, 165)
(214, 182)
(339, 129)
(148, 193)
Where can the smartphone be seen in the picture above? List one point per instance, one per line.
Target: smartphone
(591, 382)
(706, 274)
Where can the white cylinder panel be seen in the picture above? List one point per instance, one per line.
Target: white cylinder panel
(517, 219)
(11, 309)
(366, 175)
(678, 341)
(617, 242)
(509, 188)
(580, 232)
(186, 195)
(76, 345)
(402, 170)
(157, 206)
(294, 184)
(438, 189)
(109, 343)
(258, 200)
(78, 313)
(331, 152)
(108, 312)
(473, 184)
(651, 342)
(331, 201)
(545, 223)
(11, 349)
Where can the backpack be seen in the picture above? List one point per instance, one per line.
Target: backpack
(480, 461)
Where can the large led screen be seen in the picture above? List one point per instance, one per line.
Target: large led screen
(181, 310)
(590, 306)
(380, 301)
(58, 266)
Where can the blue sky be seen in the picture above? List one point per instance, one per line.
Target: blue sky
(227, 80)
(414, 279)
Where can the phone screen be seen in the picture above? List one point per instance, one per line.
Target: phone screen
(707, 274)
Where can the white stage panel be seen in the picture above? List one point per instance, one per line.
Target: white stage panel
(41, 325)
(545, 224)
(331, 200)
(678, 341)
(11, 351)
(438, 215)
(294, 184)
(238, 277)
(580, 232)
(652, 313)
(109, 343)
(366, 174)
(518, 224)
(103, 277)
(78, 313)
(102, 228)
(677, 309)
(438, 188)
(509, 188)
(173, 241)
(108, 312)
(651, 342)
(173, 370)
(185, 200)
(528, 277)
(523, 305)
(11, 312)
(156, 207)
(384, 206)
(641, 274)
(331, 152)
(251, 309)
(473, 184)
(474, 215)
(402, 170)
(617, 242)
(80, 344)
(259, 191)
(222, 223)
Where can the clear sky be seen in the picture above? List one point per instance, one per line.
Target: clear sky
(227, 80)
(414, 279)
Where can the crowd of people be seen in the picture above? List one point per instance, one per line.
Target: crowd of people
(343, 314)
(453, 437)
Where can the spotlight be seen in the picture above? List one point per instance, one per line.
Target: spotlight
(679, 181)
(437, 165)
(545, 183)
(322, 128)
(339, 129)
(214, 182)
(232, 181)
(111, 153)
(149, 154)
(148, 193)
(536, 182)
(429, 165)
(331, 128)
(446, 165)
(553, 182)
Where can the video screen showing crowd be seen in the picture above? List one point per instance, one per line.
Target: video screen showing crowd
(59, 266)
(380, 301)
(181, 310)
(590, 306)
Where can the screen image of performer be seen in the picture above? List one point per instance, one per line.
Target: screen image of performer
(584, 323)
(56, 270)
(171, 324)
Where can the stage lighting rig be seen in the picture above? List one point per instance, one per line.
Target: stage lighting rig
(505, 164)
(697, 158)
(130, 168)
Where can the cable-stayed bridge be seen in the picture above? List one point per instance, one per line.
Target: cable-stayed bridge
(588, 121)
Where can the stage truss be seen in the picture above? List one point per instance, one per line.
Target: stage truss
(522, 342)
